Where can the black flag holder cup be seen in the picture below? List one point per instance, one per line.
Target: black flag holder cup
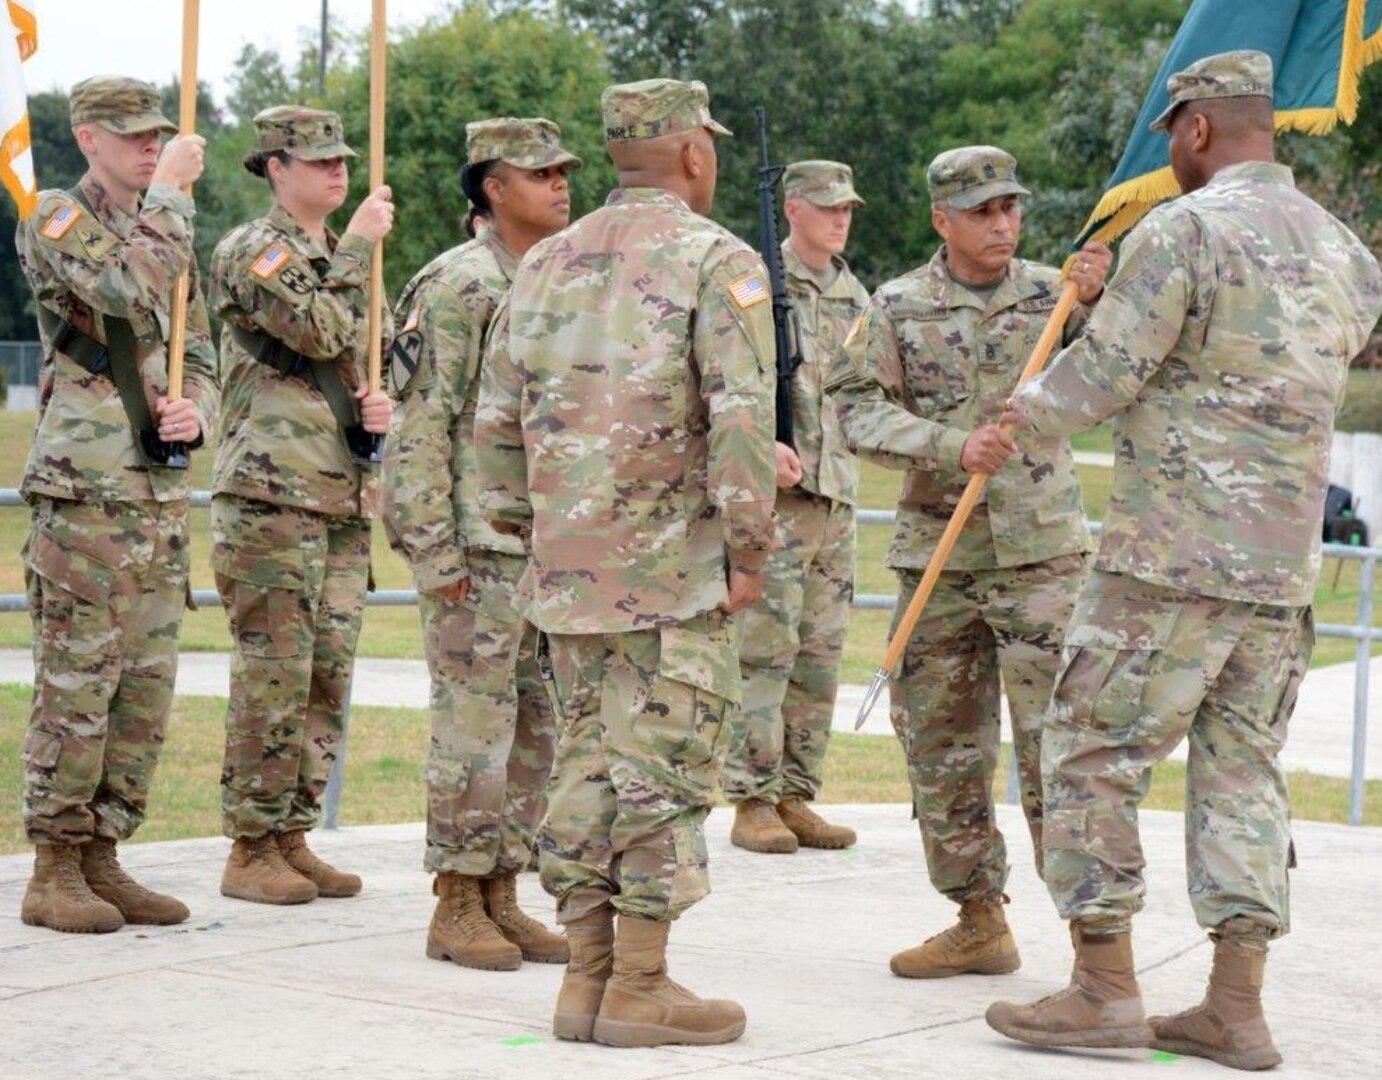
(163, 455)
(366, 447)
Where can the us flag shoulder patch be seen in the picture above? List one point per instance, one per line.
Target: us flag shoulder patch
(271, 260)
(55, 228)
(748, 290)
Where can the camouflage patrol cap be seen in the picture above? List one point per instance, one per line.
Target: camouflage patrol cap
(821, 183)
(970, 175)
(309, 134)
(1242, 73)
(656, 107)
(119, 104)
(525, 144)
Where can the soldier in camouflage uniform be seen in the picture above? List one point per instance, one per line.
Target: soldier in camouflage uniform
(291, 510)
(624, 426)
(790, 641)
(921, 389)
(106, 561)
(493, 732)
(1221, 350)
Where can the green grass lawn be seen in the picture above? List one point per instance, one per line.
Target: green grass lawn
(387, 747)
(387, 744)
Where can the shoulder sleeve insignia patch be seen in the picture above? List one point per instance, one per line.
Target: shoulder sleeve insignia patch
(297, 280)
(748, 290)
(55, 228)
(271, 260)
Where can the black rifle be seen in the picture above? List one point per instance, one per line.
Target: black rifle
(788, 341)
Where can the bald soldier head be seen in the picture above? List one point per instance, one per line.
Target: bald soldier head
(1220, 114)
(659, 133)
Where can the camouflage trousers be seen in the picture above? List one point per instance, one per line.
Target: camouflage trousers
(293, 583)
(107, 583)
(493, 732)
(642, 734)
(1144, 667)
(979, 625)
(789, 654)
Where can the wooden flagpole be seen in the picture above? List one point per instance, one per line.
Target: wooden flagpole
(378, 48)
(187, 125)
(898, 645)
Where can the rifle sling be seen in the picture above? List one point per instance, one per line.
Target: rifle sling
(118, 356)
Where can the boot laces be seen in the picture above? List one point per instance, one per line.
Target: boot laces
(68, 873)
(266, 849)
(114, 873)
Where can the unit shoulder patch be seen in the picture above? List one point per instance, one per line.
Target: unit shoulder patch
(748, 290)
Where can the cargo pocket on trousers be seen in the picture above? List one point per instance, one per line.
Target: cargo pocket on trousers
(1105, 670)
(42, 749)
(262, 588)
(77, 622)
(698, 682)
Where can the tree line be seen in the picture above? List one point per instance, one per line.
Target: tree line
(877, 84)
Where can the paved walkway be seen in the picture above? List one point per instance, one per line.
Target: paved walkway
(1321, 730)
(342, 989)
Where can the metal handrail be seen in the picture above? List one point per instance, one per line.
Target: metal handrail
(1362, 631)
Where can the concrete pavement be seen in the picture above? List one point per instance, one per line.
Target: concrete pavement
(1321, 739)
(342, 988)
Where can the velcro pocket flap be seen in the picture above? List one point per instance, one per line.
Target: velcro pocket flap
(260, 564)
(69, 569)
(698, 659)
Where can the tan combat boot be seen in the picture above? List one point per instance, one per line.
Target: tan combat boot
(535, 941)
(257, 872)
(758, 828)
(329, 881)
(461, 931)
(642, 1007)
(59, 898)
(1101, 1007)
(111, 883)
(979, 944)
(591, 938)
(1228, 1026)
(810, 829)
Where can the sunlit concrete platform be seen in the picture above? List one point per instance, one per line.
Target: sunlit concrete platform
(341, 988)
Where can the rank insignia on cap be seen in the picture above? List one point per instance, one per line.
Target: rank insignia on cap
(270, 261)
(55, 228)
(748, 291)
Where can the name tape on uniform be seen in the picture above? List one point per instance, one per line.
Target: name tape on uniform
(748, 290)
(55, 228)
(271, 260)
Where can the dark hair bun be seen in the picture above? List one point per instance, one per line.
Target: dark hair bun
(254, 163)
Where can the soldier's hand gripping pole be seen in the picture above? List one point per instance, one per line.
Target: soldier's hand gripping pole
(787, 340)
(367, 447)
(174, 455)
(898, 645)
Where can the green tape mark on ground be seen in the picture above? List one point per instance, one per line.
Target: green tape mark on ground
(1162, 1055)
(522, 1040)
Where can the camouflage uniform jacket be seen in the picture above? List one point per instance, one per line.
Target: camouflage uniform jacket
(431, 511)
(931, 363)
(1223, 345)
(827, 466)
(279, 439)
(626, 415)
(121, 265)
